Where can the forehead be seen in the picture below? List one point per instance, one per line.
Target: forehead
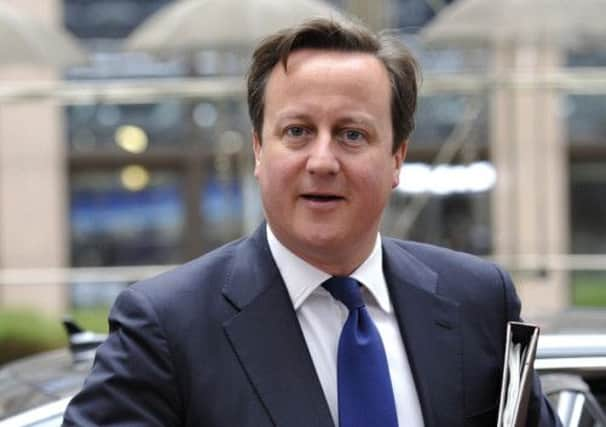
(317, 75)
(360, 64)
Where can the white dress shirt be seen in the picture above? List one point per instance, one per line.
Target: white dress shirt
(322, 317)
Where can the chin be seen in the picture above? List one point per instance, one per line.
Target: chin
(325, 238)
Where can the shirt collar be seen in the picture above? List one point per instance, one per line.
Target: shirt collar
(302, 279)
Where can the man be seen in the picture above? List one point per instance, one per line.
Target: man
(259, 332)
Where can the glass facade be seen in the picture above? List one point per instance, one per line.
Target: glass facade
(151, 183)
(588, 207)
(190, 151)
(411, 15)
(197, 157)
(113, 223)
(96, 126)
(107, 19)
(457, 218)
(586, 118)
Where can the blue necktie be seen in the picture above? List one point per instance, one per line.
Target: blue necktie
(365, 394)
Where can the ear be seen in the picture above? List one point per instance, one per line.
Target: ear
(256, 141)
(398, 158)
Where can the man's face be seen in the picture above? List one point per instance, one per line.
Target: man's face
(324, 161)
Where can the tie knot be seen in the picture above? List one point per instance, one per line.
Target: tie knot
(346, 290)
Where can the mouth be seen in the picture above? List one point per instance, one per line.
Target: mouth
(322, 198)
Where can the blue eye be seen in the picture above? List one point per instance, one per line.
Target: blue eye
(353, 135)
(295, 131)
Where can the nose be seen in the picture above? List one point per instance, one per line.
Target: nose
(322, 159)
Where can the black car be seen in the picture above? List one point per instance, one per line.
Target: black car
(35, 391)
(573, 375)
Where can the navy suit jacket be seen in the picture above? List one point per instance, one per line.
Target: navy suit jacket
(217, 343)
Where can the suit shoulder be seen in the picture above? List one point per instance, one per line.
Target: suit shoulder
(482, 288)
(447, 261)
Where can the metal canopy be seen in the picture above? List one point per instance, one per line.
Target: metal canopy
(564, 23)
(24, 40)
(191, 25)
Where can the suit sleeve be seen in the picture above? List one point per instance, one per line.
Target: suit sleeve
(132, 381)
(540, 412)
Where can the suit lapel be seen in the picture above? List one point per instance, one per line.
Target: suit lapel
(268, 340)
(431, 332)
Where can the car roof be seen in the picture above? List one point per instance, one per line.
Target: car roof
(50, 412)
(582, 353)
(47, 377)
(40, 379)
(56, 375)
(572, 345)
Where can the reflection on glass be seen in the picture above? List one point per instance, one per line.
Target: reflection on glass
(108, 115)
(231, 142)
(586, 119)
(132, 139)
(587, 190)
(134, 177)
(107, 19)
(205, 114)
(132, 126)
(588, 229)
(221, 209)
(112, 225)
(439, 115)
(457, 220)
(83, 139)
(417, 178)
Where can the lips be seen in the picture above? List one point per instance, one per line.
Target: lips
(322, 197)
(322, 203)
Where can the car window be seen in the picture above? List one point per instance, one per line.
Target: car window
(576, 409)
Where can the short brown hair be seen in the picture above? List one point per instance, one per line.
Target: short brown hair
(322, 33)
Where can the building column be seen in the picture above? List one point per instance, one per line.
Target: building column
(530, 200)
(33, 182)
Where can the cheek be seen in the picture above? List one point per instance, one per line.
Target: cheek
(377, 188)
(264, 174)
(377, 177)
(275, 174)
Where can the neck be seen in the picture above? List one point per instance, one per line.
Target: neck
(336, 260)
(343, 266)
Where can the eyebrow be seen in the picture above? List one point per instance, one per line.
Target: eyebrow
(356, 118)
(292, 114)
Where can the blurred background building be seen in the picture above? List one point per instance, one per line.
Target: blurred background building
(115, 168)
